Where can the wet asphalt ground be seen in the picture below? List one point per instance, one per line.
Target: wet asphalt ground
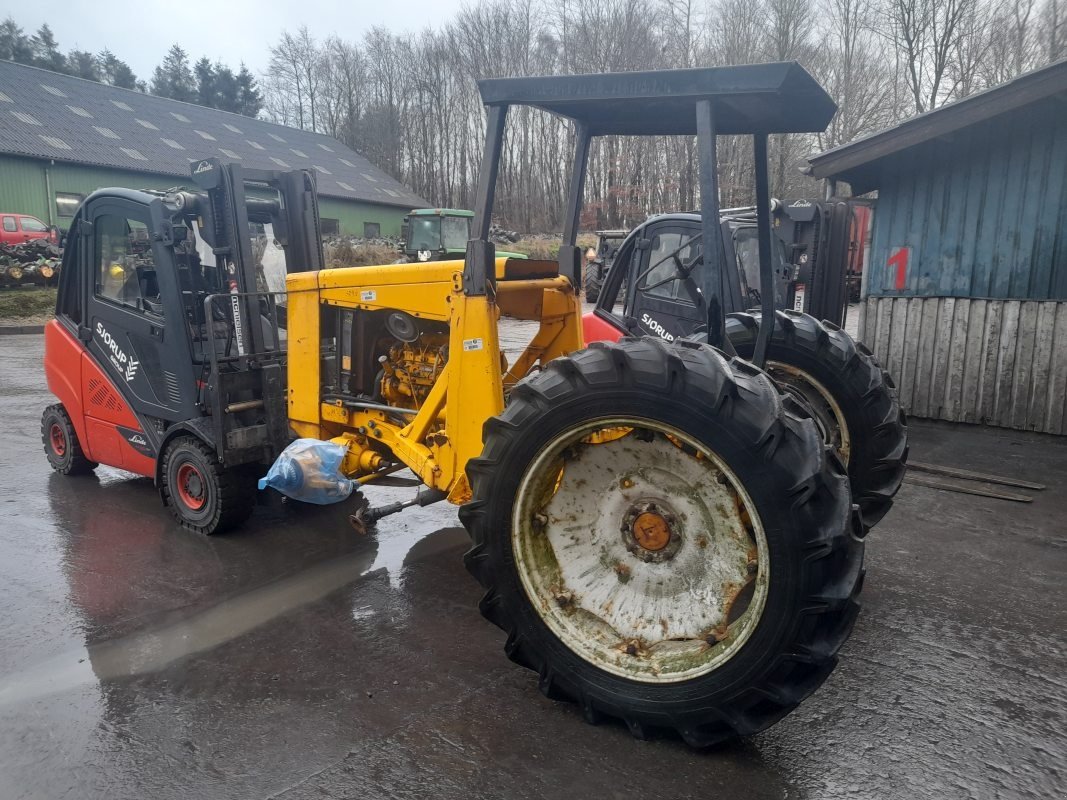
(294, 659)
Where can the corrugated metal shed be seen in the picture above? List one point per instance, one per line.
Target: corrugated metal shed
(981, 215)
(966, 282)
(57, 117)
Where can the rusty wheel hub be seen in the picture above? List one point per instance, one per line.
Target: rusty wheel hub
(650, 531)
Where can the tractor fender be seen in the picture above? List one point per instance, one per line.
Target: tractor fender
(200, 428)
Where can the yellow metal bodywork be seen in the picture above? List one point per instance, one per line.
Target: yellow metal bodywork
(446, 430)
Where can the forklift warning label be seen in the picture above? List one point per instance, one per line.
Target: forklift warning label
(472, 344)
(126, 365)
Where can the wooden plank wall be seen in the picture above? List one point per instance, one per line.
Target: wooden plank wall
(995, 362)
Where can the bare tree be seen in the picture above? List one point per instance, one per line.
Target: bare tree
(411, 105)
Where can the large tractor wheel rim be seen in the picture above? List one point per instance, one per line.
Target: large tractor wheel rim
(640, 550)
(827, 411)
(58, 439)
(192, 488)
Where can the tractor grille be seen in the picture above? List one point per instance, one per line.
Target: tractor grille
(101, 396)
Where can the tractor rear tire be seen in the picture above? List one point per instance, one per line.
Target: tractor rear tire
(61, 444)
(733, 478)
(203, 496)
(593, 285)
(852, 397)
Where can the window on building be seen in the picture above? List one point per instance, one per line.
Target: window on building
(126, 270)
(67, 203)
(372, 230)
(9, 224)
(330, 227)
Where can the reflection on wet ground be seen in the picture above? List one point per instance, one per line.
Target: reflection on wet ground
(296, 659)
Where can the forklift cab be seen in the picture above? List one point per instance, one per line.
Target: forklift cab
(652, 288)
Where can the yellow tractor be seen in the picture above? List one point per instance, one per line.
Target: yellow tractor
(666, 533)
(660, 528)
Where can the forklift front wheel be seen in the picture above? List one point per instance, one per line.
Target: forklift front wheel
(203, 496)
(61, 444)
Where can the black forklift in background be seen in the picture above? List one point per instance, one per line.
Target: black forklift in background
(168, 359)
(816, 264)
(817, 260)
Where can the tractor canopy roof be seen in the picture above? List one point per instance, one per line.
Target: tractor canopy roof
(779, 97)
(440, 212)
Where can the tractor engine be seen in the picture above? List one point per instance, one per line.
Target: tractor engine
(412, 357)
(409, 369)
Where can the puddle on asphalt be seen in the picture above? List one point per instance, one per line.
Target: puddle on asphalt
(153, 650)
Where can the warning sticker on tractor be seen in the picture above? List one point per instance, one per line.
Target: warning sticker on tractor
(472, 344)
(368, 295)
(798, 298)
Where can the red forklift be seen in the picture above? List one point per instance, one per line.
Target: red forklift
(167, 350)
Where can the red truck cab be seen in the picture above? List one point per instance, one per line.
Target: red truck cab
(19, 228)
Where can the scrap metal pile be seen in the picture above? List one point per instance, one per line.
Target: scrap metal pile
(34, 262)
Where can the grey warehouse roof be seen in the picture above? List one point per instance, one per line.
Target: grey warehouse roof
(47, 115)
(860, 162)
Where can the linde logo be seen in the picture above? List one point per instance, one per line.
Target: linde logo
(203, 166)
(126, 365)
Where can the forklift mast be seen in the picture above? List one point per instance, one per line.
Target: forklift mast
(224, 212)
(245, 391)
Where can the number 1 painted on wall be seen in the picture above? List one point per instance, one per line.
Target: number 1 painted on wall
(900, 260)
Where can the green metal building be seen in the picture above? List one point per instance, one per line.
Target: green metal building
(63, 137)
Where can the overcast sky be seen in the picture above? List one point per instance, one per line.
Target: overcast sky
(230, 31)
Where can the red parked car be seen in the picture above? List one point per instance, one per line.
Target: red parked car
(19, 228)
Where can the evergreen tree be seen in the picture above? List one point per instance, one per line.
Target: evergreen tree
(206, 79)
(116, 72)
(46, 51)
(174, 78)
(14, 45)
(249, 99)
(83, 64)
(226, 90)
